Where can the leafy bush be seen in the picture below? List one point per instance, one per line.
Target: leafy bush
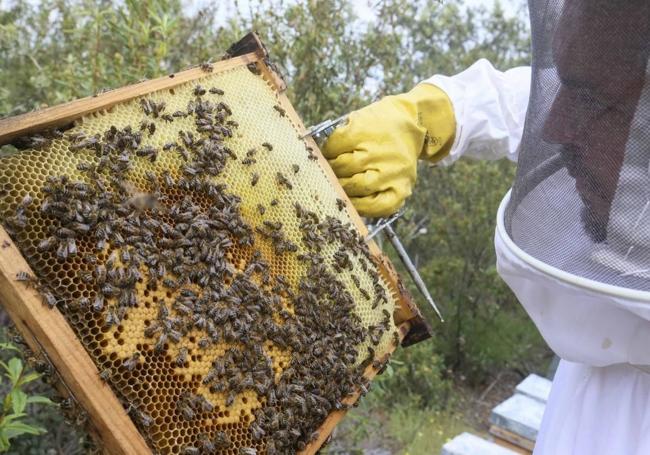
(13, 422)
(449, 230)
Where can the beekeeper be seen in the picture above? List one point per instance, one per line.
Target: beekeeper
(573, 234)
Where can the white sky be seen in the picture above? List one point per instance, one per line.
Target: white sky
(364, 7)
(510, 6)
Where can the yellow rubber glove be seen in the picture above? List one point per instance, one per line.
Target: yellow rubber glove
(375, 154)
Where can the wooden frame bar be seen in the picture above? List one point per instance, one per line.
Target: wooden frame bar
(36, 321)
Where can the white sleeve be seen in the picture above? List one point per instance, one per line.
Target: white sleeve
(490, 109)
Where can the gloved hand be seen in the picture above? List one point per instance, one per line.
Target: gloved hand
(375, 154)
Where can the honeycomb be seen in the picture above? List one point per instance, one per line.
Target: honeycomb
(202, 257)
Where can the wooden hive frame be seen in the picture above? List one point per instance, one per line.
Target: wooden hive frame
(47, 332)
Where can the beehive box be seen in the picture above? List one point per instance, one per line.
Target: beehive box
(190, 266)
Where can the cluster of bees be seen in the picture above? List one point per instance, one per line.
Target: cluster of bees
(129, 236)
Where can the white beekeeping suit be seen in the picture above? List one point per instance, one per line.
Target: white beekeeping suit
(573, 235)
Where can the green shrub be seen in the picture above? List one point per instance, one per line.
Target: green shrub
(13, 382)
(449, 230)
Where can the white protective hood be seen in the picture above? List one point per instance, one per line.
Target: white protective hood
(582, 320)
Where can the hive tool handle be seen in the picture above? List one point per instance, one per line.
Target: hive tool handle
(320, 133)
(384, 224)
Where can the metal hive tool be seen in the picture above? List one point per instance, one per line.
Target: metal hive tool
(206, 260)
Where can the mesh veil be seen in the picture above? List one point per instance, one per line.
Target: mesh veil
(581, 199)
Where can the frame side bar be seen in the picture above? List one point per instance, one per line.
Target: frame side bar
(35, 321)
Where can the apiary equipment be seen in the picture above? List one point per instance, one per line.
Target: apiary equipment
(187, 262)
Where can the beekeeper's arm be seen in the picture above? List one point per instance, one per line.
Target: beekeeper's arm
(478, 113)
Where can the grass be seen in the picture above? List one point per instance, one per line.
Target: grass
(420, 432)
(403, 427)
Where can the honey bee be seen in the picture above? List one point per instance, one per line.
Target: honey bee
(24, 276)
(44, 367)
(125, 255)
(65, 404)
(222, 440)
(217, 387)
(255, 178)
(282, 180)
(132, 361)
(198, 91)
(216, 91)
(84, 166)
(98, 303)
(280, 110)
(168, 282)
(146, 106)
(252, 67)
(149, 126)
(386, 319)
(185, 409)
(396, 341)
(257, 432)
(310, 154)
(267, 146)
(230, 399)
(111, 317)
(187, 138)
(159, 347)
(167, 178)
(204, 343)
(88, 143)
(158, 108)
(106, 374)
(207, 67)
(49, 299)
(145, 419)
(181, 358)
(147, 152)
(140, 416)
(375, 334)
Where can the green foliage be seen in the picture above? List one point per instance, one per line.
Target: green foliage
(420, 432)
(403, 427)
(418, 372)
(450, 231)
(16, 399)
(54, 51)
